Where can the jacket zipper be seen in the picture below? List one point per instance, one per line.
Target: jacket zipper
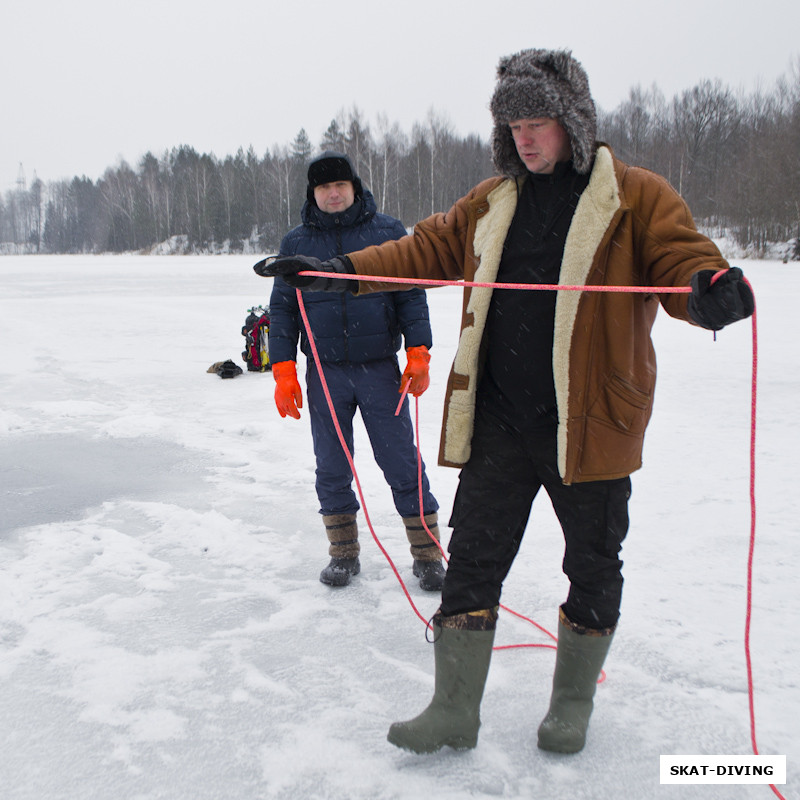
(343, 299)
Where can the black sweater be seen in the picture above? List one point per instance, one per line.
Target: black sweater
(518, 382)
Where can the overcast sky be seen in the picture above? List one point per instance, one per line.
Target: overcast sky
(86, 83)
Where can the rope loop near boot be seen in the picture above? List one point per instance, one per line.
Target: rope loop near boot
(433, 629)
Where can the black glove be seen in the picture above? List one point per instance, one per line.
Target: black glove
(288, 268)
(715, 305)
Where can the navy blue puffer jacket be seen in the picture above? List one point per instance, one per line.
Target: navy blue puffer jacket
(345, 327)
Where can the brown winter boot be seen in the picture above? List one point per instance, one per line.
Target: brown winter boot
(344, 548)
(579, 658)
(427, 556)
(462, 651)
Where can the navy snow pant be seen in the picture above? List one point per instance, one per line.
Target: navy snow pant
(496, 490)
(372, 387)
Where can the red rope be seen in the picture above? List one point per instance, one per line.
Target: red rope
(554, 287)
(751, 547)
(752, 542)
(528, 286)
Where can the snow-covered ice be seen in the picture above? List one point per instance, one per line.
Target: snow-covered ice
(163, 633)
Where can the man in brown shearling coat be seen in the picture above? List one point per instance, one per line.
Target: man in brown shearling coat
(548, 389)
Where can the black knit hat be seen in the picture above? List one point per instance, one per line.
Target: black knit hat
(542, 83)
(328, 167)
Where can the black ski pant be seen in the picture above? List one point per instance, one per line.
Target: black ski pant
(496, 489)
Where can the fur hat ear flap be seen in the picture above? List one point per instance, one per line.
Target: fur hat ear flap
(542, 83)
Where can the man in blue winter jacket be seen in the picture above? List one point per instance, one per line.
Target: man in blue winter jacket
(357, 339)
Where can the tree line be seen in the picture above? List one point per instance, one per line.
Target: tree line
(735, 157)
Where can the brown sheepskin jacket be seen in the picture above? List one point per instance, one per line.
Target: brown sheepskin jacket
(630, 228)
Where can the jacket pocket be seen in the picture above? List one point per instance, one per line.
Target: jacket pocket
(623, 405)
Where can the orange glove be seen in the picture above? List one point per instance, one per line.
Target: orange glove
(288, 397)
(417, 370)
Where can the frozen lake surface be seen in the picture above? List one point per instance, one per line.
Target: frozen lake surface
(163, 633)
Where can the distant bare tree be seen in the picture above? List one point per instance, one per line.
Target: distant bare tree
(391, 148)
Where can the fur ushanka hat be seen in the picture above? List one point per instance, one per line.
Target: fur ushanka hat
(542, 83)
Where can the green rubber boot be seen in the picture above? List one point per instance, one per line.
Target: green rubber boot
(579, 659)
(462, 652)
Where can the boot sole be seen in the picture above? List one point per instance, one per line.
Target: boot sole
(343, 576)
(455, 742)
(564, 750)
(562, 745)
(335, 583)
